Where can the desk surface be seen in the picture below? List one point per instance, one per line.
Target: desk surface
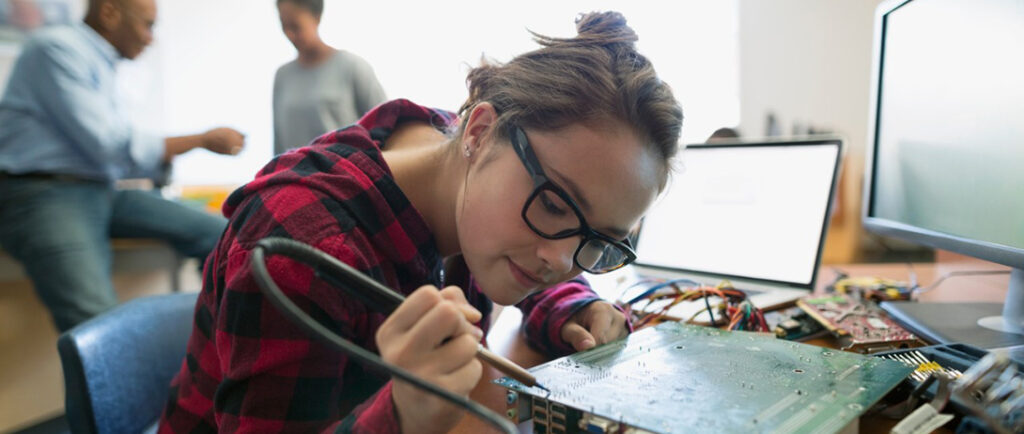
(505, 338)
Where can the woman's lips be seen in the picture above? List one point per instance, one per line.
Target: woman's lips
(525, 279)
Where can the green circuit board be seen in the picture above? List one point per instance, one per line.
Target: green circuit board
(684, 378)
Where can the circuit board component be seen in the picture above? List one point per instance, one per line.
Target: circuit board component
(683, 378)
(860, 325)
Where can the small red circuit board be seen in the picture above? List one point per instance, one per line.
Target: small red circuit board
(860, 325)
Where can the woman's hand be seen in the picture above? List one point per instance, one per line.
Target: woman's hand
(432, 336)
(596, 324)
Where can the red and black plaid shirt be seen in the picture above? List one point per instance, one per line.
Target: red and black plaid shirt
(248, 368)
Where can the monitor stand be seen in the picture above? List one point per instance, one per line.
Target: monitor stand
(984, 325)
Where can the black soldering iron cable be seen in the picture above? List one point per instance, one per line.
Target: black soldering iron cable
(322, 263)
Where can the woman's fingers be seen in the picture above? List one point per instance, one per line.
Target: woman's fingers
(412, 309)
(455, 295)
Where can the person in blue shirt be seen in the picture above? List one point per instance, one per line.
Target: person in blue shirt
(64, 141)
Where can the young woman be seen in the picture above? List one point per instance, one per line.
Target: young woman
(324, 88)
(554, 157)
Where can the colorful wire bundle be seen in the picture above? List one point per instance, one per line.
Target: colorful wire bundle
(745, 316)
(663, 295)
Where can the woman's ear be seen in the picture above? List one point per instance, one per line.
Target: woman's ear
(482, 121)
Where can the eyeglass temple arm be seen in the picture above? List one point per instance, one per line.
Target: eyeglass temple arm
(525, 153)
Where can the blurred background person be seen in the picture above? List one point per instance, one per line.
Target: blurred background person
(723, 134)
(24, 14)
(324, 88)
(65, 139)
(20, 17)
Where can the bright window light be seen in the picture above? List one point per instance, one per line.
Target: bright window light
(213, 62)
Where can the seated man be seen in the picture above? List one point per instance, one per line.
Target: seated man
(65, 140)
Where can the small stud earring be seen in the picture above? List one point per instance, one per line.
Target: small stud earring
(467, 152)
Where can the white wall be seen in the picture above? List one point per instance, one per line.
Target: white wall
(213, 61)
(216, 58)
(809, 62)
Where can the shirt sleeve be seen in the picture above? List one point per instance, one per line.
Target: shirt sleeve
(276, 378)
(67, 91)
(545, 312)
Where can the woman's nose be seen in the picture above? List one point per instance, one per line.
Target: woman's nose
(558, 254)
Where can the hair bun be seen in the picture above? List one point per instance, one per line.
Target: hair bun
(604, 28)
(593, 78)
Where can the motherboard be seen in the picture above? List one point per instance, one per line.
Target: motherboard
(684, 378)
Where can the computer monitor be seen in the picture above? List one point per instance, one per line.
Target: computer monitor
(945, 164)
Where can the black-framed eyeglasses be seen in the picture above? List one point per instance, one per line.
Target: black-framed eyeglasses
(552, 214)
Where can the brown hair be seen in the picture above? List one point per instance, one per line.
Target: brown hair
(596, 76)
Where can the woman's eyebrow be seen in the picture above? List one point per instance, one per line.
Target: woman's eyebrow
(576, 193)
(574, 190)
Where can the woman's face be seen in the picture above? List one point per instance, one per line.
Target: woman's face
(298, 24)
(606, 171)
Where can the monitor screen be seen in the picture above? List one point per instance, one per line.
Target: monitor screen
(946, 153)
(950, 143)
(750, 210)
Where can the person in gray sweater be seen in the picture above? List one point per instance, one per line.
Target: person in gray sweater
(324, 88)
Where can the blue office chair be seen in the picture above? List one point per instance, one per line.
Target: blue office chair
(118, 366)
